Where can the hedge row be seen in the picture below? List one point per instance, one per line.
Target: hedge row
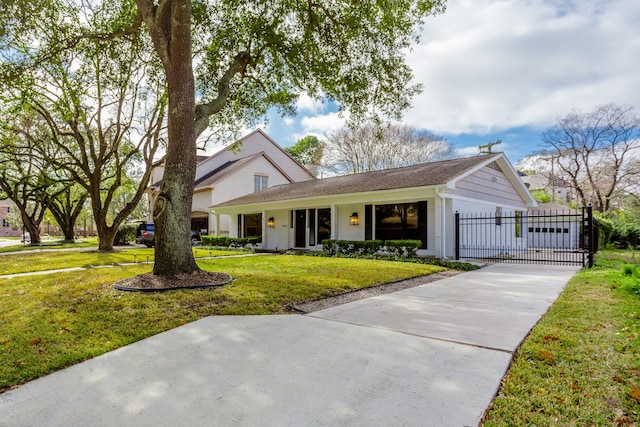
(406, 248)
(231, 242)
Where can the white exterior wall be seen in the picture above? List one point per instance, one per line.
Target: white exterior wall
(346, 231)
(277, 237)
(489, 185)
(485, 234)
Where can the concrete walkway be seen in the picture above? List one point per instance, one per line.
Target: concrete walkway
(432, 355)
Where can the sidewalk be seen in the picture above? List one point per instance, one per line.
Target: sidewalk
(433, 355)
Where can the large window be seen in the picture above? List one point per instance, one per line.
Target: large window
(260, 182)
(319, 226)
(252, 225)
(398, 221)
(324, 224)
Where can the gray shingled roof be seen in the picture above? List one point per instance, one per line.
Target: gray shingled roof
(422, 175)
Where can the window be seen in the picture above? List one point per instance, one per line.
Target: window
(518, 223)
(319, 226)
(395, 222)
(324, 224)
(498, 215)
(5, 223)
(260, 182)
(253, 225)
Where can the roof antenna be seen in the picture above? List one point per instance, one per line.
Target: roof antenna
(488, 147)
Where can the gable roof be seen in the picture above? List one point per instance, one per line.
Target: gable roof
(267, 138)
(422, 175)
(229, 167)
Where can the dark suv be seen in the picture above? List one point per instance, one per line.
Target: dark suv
(145, 234)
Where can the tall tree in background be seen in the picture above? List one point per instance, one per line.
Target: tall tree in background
(597, 152)
(102, 105)
(373, 147)
(308, 151)
(66, 207)
(253, 56)
(24, 179)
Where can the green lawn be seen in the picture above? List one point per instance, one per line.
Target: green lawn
(581, 364)
(89, 242)
(52, 321)
(49, 259)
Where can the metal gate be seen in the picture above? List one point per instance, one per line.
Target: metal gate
(547, 237)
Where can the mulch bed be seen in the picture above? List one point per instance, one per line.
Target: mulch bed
(385, 288)
(149, 282)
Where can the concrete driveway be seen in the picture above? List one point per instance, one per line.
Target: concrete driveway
(432, 355)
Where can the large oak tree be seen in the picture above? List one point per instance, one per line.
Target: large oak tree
(251, 56)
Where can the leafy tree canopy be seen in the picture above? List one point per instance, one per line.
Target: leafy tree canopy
(307, 150)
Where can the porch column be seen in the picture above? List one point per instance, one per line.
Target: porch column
(264, 229)
(214, 223)
(439, 225)
(334, 221)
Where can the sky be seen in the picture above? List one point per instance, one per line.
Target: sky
(507, 70)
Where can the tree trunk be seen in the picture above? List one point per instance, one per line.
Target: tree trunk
(106, 236)
(33, 229)
(68, 231)
(172, 210)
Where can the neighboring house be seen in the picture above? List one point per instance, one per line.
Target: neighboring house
(558, 188)
(6, 228)
(414, 202)
(253, 163)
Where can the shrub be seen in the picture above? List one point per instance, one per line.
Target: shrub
(351, 247)
(125, 234)
(407, 248)
(230, 242)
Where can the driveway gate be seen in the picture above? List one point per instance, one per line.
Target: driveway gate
(547, 237)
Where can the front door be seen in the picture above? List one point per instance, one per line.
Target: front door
(301, 228)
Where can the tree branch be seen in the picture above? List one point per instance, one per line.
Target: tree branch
(203, 111)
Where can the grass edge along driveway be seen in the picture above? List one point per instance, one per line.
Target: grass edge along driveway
(580, 366)
(53, 321)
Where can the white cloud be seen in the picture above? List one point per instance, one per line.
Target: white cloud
(489, 65)
(322, 124)
(467, 151)
(307, 104)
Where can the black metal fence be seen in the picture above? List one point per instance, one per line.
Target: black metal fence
(539, 237)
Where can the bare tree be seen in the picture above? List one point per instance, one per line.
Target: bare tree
(597, 153)
(372, 147)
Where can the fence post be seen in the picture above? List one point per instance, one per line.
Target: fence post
(457, 233)
(591, 235)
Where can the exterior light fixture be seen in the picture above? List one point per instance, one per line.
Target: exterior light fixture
(353, 219)
(271, 222)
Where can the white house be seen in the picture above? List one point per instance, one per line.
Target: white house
(253, 163)
(414, 202)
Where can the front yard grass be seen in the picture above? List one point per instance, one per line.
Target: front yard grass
(52, 321)
(52, 260)
(580, 366)
(87, 242)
